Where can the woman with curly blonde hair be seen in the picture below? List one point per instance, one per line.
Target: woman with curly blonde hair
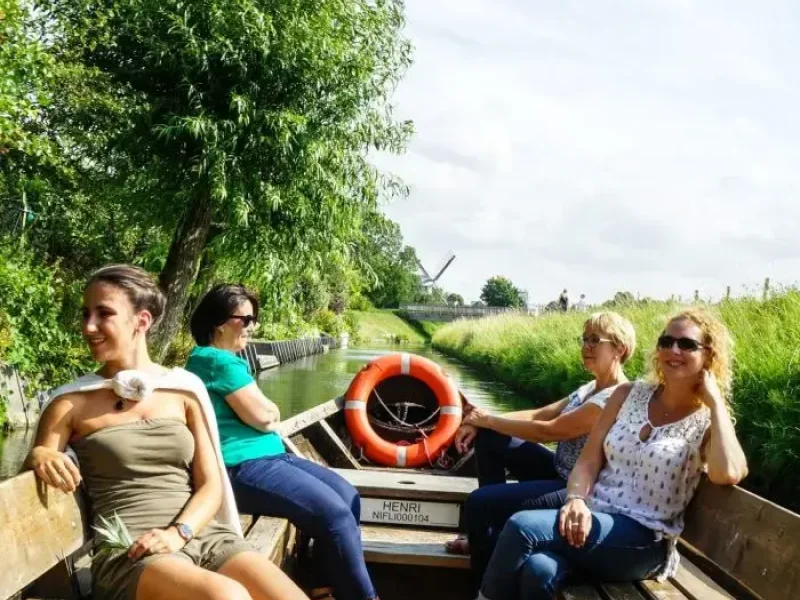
(637, 473)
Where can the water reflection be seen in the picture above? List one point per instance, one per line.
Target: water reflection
(308, 382)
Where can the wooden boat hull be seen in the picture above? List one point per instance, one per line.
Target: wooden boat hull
(740, 545)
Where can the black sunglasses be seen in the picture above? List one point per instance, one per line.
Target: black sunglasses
(246, 320)
(666, 342)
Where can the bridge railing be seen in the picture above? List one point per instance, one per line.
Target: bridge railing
(462, 311)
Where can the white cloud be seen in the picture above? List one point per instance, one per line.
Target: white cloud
(603, 145)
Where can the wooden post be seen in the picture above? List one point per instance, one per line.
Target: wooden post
(766, 289)
(728, 293)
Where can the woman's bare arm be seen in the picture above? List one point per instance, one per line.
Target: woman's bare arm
(544, 413)
(206, 481)
(567, 426)
(254, 408)
(47, 458)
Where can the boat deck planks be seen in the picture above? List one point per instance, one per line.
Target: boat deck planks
(654, 590)
(406, 546)
(409, 485)
(696, 584)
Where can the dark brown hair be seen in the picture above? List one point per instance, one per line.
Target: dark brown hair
(216, 307)
(139, 286)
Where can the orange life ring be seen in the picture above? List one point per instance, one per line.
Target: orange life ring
(386, 453)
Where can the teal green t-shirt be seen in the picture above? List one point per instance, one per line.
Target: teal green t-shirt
(224, 373)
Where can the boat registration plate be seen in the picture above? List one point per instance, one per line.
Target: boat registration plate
(392, 511)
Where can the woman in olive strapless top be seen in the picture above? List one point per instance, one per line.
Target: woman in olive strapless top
(146, 454)
(141, 472)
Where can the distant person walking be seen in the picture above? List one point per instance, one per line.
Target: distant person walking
(581, 305)
(563, 301)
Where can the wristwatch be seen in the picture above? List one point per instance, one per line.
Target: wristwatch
(184, 531)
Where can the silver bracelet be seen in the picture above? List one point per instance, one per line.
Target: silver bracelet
(574, 497)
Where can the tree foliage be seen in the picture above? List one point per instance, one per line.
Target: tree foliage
(499, 291)
(241, 128)
(389, 265)
(206, 141)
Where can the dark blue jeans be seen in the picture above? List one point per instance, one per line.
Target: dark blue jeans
(321, 504)
(489, 507)
(532, 559)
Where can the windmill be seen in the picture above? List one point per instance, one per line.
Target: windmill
(427, 280)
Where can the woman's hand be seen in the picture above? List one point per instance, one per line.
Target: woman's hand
(478, 418)
(575, 522)
(55, 469)
(156, 541)
(464, 437)
(709, 389)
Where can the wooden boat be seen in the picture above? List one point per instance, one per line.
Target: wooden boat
(736, 545)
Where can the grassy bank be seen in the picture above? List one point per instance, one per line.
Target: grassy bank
(540, 356)
(385, 326)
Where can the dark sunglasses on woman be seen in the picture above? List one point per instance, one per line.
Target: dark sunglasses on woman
(666, 342)
(246, 320)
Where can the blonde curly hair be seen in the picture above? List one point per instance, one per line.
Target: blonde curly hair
(718, 342)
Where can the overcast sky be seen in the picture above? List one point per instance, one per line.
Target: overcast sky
(600, 145)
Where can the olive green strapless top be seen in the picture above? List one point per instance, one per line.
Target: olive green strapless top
(139, 470)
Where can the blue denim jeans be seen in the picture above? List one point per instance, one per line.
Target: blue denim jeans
(489, 507)
(321, 504)
(532, 559)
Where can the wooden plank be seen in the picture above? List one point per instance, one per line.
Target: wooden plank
(409, 485)
(41, 526)
(578, 592)
(654, 590)
(754, 540)
(330, 446)
(697, 585)
(273, 537)
(410, 547)
(309, 417)
(290, 446)
(620, 591)
(306, 449)
(246, 521)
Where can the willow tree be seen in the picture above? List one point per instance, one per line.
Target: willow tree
(247, 123)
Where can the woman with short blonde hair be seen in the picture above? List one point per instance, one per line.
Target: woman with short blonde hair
(514, 441)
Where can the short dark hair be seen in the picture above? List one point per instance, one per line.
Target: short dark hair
(216, 307)
(139, 286)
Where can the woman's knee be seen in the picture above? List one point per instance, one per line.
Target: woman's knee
(488, 441)
(337, 516)
(536, 526)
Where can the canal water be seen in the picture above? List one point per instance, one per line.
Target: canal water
(310, 381)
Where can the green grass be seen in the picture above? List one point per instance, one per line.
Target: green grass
(426, 329)
(540, 357)
(385, 326)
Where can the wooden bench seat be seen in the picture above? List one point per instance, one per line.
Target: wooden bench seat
(406, 546)
(401, 545)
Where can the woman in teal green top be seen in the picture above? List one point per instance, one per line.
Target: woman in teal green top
(266, 480)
